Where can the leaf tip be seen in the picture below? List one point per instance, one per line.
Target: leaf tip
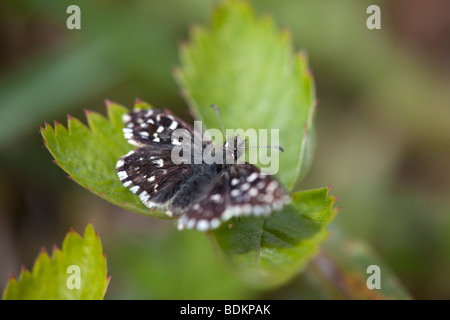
(286, 34)
(43, 250)
(138, 101)
(108, 102)
(303, 54)
(87, 112)
(55, 248)
(11, 276)
(23, 269)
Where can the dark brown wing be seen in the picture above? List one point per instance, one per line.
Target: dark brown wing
(150, 174)
(149, 126)
(241, 189)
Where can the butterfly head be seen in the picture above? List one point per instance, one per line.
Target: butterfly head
(234, 148)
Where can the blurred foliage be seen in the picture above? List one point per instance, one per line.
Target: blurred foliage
(175, 265)
(382, 130)
(350, 262)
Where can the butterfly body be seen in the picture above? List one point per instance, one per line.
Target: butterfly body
(201, 195)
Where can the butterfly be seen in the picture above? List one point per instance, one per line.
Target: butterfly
(201, 195)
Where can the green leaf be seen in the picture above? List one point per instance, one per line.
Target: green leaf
(245, 66)
(53, 279)
(269, 251)
(89, 155)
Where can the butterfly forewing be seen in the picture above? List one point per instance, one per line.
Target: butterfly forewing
(150, 174)
(149, 126)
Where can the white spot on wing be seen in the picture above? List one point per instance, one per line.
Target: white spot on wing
(203, 225)
(127, 184)
(215, 223)
(235, 193)
(252, 177)
(119, 163)
(272, 186)
(253, 192)
(191, 223)
(126, 117)
(158, 162)
(122, 175)
(173, 125)
(261, 185)
(144, 196)
(134, 189)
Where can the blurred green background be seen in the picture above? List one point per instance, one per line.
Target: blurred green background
(382, 123)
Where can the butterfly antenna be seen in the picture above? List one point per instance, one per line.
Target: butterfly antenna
(273, 147)
(220, 119)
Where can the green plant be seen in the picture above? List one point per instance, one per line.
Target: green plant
(248, 68)
(76, 271)
(277, 82)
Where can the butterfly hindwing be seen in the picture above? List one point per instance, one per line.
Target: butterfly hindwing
(241, 189)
